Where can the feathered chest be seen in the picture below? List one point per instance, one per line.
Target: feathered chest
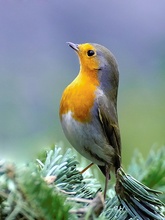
(79, 98)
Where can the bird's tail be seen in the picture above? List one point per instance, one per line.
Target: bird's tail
(139, 200)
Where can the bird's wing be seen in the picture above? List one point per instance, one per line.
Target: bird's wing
(107, 115)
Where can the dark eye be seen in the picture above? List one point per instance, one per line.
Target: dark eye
(90, 53)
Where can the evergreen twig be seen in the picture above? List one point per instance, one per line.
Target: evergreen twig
(54, 189)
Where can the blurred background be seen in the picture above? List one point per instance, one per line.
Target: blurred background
(36, 65)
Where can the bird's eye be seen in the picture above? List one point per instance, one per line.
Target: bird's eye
(90, 53)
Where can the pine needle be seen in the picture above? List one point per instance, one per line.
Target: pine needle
(50, 188)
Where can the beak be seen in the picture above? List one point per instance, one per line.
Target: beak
(73, 46)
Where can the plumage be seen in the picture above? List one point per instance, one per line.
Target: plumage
(88, 110)
(79, 98)
(88, 113)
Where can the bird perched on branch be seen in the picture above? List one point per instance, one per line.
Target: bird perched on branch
(88, 114)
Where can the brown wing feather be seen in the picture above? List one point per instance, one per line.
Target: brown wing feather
(108, 118)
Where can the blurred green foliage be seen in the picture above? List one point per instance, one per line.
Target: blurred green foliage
(36, 65)
(51, 187)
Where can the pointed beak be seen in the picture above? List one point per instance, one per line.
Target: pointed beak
(73, 46)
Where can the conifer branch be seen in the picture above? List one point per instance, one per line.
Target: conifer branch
(53, 188)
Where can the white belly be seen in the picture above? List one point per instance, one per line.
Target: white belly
(88, 139)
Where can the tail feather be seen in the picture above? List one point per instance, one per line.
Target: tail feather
(139, 200)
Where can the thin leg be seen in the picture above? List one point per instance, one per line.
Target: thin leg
(107, 177)
(86, 168)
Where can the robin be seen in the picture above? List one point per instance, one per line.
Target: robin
(88, 113)
(88, 108)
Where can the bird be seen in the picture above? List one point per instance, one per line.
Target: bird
(89, 119)
(88, 108)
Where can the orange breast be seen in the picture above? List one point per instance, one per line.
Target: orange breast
(79, 97)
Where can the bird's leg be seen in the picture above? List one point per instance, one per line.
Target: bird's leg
(107, 177)
(86, 168)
